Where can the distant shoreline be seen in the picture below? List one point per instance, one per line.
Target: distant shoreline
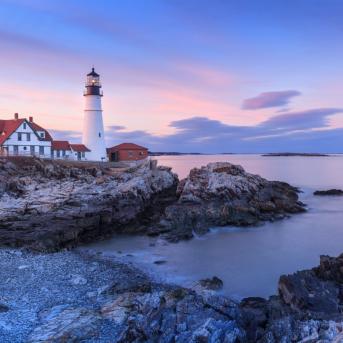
(291, 154)
(276, 154)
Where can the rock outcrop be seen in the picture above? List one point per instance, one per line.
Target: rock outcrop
(329, 192)
(307, 309)
(318, 291)
(48, 206)
(224, 194)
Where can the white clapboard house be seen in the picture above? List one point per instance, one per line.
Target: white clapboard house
(22, 137)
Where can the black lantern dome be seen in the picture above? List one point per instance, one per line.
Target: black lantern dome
(93, 84)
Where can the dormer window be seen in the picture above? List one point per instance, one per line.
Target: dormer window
(42, 135)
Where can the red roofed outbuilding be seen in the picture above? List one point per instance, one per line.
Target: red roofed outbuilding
(79, 148)
(66, 150)
(127, 152)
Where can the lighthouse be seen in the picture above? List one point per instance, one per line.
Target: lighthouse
(93, 126)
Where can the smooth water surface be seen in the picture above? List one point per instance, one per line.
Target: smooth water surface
(250, 260)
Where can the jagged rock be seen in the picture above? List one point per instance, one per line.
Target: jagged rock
(213, 283)
(308, 308)
(330, 268)
(319, 290)
(303, 291)
(329, 192)
(224, 194)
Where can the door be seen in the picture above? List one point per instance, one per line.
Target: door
(79, 155)
(15, 149)
(32, 150)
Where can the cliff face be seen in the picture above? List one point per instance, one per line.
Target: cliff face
(47, 206)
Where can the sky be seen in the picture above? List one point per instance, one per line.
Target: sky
(209, 76)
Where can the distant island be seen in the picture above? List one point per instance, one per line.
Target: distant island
(272, 154)
(291, 154)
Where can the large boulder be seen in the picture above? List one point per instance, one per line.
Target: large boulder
(222, 194)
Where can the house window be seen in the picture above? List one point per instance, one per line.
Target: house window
(141, 153)
(63, 153)
(28, 136)
(41, 150)
(99, 134)
(130, 154)
(58, 153)
(24, 126)
(25, 148)
(83, 154)
(42, 135)
(19, 136)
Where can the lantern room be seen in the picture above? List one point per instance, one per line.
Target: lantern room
(93, 84)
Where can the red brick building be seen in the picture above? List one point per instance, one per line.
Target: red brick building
(127, 152)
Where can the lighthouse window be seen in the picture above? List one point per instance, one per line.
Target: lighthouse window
(99, 134)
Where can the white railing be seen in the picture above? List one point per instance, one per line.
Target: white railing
(5, 153)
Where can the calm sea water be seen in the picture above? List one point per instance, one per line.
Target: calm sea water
(249, 260)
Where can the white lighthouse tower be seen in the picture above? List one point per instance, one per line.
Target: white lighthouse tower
(93, 126)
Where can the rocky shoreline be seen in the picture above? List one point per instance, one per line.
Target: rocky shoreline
(78, 296)
(46, 206)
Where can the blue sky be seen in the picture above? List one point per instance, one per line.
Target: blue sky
(207, 76)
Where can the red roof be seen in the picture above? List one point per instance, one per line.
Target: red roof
(7, 127)
(60, 145)
(79, 148)
(36, 127)
(126, 146)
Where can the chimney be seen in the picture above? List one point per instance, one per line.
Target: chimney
(31, 119)
(16, 116)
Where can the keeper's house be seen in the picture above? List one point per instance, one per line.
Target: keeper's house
(22, 137)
